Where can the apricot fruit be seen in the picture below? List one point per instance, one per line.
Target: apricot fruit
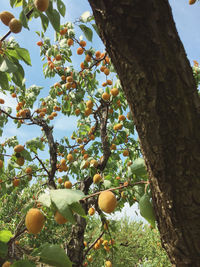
(107, 201)
(68, 185)
(41, 5)
(6, 17)
(15, 25)
(34, 221)
(91, 211)
(96, 178)
(59, 218)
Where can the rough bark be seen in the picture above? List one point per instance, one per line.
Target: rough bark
(144, 46)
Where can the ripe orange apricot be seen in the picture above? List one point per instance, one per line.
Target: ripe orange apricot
(114, 91)
(106, 71)
(191, 2)
(96, 178)
(1, 163)
(94, 163)
(58, 57)
(113, 147)
(105, 96)
(68, 185)
(28, 170)
(121, 118)
(40, 43)
(125, 153)
(102, 68)
(34, 221)
(63, 161)
(91, 211)
(109, 82)
(117, 126)
(80, 51)
(89, 258)
(15, 25)
(77, 111)
(6, 17)
(92, 137)
(13, 95)
(89, 104)
(70, 79)
(85, 156)
(59, 218)
(108, 264)
(20, 161)
(2, 101)
(60, 180)
(41, 5)
(16, 182)
(6, 264)
(70, 42)
(82, 43)
(82, 65)
(98, 54)
(107, 201)
(87, 112)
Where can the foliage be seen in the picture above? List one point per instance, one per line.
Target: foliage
(135, 244)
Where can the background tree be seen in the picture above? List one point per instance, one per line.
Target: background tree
(161, 91)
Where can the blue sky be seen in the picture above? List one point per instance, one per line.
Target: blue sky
(187, 22)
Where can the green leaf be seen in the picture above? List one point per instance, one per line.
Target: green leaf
(12, 2)
(8, 66)
(23, 19)
(146, 209)
(45, 200)
(3, 249)
(84, 17)
(35, 144)
(26, 155)
(53, 255)
(18, 76)
(54, 18)
(23, 263)
(44, 21)
(3, 81)
(76, 207)
(138, 168)
(5, 236)
(95, 28)
(139, 191)
(107, 183)
(61, 7)
(24, 55)
(60, 200)
(87, 31)
(63, 199)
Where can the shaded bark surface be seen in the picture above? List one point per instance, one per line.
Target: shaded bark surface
(143, 43)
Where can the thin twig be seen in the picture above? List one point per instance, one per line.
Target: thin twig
(95, 241)
(113, 189)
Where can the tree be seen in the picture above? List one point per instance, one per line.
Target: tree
(101, 157)
(144, 46)
(102, 128)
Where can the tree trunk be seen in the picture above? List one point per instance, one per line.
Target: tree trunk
(144, 46)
